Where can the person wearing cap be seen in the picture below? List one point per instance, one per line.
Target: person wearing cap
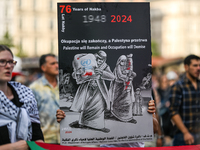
(185, 104)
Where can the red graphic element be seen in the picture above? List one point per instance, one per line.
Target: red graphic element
(78, 58)
(88, 74)
(127, 84)
(17, 74)
(129, 18)
(122, 18)
(68, 131)
(129, 74)
(62, 6)
(67, 8)
(129, 64)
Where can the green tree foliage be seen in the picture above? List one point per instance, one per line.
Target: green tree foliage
(7, 40)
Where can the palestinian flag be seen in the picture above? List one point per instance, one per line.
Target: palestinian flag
(45, 146)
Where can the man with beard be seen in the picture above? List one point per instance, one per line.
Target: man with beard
(185, 104)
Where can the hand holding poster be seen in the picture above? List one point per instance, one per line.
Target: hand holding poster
(105, 62)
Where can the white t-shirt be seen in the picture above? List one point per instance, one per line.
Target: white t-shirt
(134, 144)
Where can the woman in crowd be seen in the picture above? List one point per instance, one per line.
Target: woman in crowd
(19, 119)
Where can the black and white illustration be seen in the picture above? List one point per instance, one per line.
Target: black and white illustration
(104, 72)
(91, 98)
(121, 90)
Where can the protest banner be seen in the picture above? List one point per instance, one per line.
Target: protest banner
(104, 72)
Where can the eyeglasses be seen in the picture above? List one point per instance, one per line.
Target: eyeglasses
(3, 63)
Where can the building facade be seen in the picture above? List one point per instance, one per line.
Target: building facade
(35, 26)
(35, 29)
(6, 17)
(175, 25)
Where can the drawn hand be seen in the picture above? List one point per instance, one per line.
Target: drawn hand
(124, 72)
(98, 71)
(130, 78)
(93, 84)
(60, 115)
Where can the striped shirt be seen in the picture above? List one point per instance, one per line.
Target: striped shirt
(185, 101)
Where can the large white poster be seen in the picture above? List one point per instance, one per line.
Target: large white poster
(105, 72)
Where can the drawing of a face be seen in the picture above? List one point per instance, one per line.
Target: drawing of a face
(100, 57)
(100, 61)
(123, 62)
(137, 91)
(78, 75)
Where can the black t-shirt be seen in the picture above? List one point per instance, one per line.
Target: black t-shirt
(36, 130)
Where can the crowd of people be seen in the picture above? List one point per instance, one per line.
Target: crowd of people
(32, 113)
(178, 104)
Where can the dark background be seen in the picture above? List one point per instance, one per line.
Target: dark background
(138, 28)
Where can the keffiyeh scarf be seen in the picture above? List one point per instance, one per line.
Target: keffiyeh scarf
(18, 120)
